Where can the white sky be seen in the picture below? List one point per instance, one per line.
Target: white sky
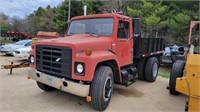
(22, 8)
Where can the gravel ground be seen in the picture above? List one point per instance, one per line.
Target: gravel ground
(17, 94)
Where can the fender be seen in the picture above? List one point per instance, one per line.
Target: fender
(91, 63)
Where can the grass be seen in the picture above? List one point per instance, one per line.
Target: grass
(4, 40)
(164, 71)
(197, 49)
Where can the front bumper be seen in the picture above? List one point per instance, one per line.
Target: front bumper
(6, 52)
(20, 55)
(75, 88)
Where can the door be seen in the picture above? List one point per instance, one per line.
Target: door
(124, 42)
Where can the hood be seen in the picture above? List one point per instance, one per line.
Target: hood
(80, 42)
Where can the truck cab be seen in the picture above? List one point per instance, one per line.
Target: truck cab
(96, 52)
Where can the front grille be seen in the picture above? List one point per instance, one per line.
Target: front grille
(54, 60)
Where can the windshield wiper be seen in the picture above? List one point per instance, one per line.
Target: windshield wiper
(93, 34)
(71, 33)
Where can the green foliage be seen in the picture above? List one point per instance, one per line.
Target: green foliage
(165, 17)
(164, 72)
(152, 21)
(34, 21)
(134, 12)
(61, 12)
(168, 18)
(151, 16)
(47, 19)
(178, 24)
(4, 22)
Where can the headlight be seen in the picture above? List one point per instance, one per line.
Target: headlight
(31, 58)
(17, 52)
(79, 68)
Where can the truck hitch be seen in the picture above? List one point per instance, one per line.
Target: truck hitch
(12, 65)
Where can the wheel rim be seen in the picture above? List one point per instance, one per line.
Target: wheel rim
(155, 69)
(107, 89)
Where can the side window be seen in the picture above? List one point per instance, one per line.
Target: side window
(28, 44)
(123, 29)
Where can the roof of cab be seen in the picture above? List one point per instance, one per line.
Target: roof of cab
(101, 16)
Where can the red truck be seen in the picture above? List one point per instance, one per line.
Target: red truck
(96, 52)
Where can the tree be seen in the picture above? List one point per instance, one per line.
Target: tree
(4, 21)
(33, 20)
(47, 19)
(61, 12)
(16, 23)
(181, 13)
(179, 24)
(151, 16)
(113, 5)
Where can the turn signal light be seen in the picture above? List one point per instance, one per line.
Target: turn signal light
(32, 46)
(88, 52)
(88, 98)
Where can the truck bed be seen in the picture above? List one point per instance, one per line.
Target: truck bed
(145, 46)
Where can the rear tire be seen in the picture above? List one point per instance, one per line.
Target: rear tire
(101, 88)
(177, 71)
(151, 69)
(44, 86)
(141, 69)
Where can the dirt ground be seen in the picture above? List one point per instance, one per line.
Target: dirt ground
(17, 94)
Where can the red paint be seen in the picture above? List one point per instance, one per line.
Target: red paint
(122, 48)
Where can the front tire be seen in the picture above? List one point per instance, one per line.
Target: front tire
(151, 70)
(177, 71)
(44, 86)
(102, 88)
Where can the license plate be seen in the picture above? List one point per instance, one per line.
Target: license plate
(50, 79)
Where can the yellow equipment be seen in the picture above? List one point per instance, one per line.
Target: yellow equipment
(44, 35)
(189, 84)
(12, 66)
(185, 77)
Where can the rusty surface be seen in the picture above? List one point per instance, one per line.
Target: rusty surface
(42, 34)
(192, 25)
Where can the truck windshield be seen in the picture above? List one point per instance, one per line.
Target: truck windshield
(98, 26)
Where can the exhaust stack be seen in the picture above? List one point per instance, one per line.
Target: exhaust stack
(85, 10)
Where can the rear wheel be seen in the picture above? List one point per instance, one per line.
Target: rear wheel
(44, 86)
(141, 69)
(101, 88)
(151, 69)
(177, 71)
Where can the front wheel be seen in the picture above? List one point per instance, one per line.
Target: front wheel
(44, 86)
(177, 71)
(102, 88)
